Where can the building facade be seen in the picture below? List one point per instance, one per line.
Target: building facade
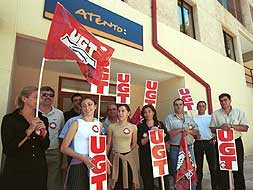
(206, 46)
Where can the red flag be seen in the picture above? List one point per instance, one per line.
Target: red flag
(69, 40)
(136, 117)
(185, 167)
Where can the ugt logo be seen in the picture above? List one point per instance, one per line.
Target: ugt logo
(79, 45)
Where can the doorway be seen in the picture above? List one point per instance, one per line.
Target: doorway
(68, 86)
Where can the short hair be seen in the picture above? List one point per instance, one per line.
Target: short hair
(127, 108)
(75, 95)
(47, 88)
(177, 100)
(25, 92)
(91, 98)
(152, 108)
(111, 104)
(225, 95)
(201, 101)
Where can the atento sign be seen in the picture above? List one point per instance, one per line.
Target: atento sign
(101, 22)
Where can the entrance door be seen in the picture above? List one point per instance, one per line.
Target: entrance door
(68, 86)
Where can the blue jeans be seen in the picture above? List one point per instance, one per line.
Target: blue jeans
(174, 151)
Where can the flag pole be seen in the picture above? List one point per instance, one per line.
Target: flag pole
(230, 179)
(99, 100)
(162, 182)
(39, 86)
(190, 183)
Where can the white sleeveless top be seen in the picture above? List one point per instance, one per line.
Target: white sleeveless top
(81, 138)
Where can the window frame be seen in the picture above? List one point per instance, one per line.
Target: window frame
(183, 4)
(235, 8)
(225, 36)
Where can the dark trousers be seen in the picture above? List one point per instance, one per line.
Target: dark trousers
(206, 147)
(78, 178)
(149, 182)
(223, 176)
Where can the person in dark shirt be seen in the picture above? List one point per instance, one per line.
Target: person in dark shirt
(76, 110)
(149, 122)
(25, 139)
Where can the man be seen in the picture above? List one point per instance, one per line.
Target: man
(112, 117)
(177, 123)
(204, 145)
(56, 122)
(76, 110)
(228, 118)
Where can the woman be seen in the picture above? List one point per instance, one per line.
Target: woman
(78, 134)
(149, 122)
(124, 153)
(25, 140)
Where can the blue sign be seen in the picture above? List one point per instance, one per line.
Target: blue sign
(101, 21)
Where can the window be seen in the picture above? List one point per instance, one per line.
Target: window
(229, 46)
(251, 12)
(234, 7)
(186, 18)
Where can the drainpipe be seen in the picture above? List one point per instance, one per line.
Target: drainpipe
(175, 60)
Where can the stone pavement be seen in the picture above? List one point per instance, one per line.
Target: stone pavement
(248, 174)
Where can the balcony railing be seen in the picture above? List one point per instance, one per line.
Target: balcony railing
(249, 76)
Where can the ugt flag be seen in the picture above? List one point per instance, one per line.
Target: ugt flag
(136, 117)
(69, 40)
(185, 167)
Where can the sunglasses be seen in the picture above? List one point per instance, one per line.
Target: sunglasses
(48, 95)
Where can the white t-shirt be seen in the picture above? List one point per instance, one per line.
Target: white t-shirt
(84, 131)
(203, 122)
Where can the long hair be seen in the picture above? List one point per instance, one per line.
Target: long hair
(154, 116)
(25, 92)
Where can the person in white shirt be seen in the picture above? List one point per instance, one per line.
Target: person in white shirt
(204, 146)
(78, 135)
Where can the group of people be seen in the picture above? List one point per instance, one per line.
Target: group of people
(39, 149)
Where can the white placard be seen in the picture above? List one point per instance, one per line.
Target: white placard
(158, 153)
(123, 88)
(150, 95)
(227, 150)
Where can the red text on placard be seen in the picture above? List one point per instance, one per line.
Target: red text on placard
(151, 92)
(158, 153)
(123, 88)
(227, 150)
(185, 95)
(98, 175)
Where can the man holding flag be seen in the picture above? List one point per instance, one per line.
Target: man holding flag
(182, 130)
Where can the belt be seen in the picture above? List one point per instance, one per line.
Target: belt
(203, 140)
(179, 145)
